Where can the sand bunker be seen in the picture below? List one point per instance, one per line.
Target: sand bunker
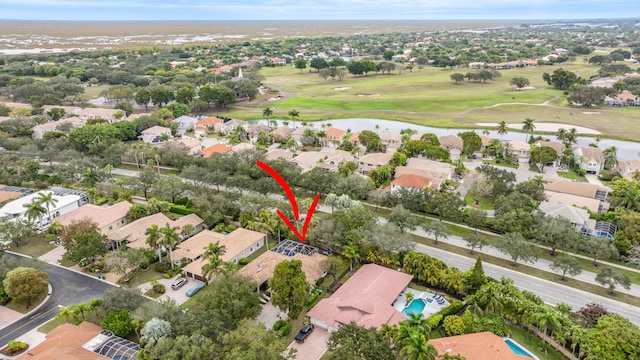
(342, 88)
(547, 127)
(370, 95)
(591, 113)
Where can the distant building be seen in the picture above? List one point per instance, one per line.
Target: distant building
(154, 134)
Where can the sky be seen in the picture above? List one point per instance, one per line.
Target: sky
(148, 10)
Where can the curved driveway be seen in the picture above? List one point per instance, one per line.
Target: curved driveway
(69, 287)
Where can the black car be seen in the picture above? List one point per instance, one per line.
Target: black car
(304, 333)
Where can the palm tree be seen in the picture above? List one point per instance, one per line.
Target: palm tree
(47, 199)
(67, 313)
(267, 112)
(153, 239)
(572, 136)
(293, 113)
(610, 157)
(502, 129)
(170, 239)
(351, 253)
(416, 347)
(388, 332)
(561, 135)
(419, 323)
(35, 211)
(213, 252)
(546, 318)
(90, 177)
(528, 127)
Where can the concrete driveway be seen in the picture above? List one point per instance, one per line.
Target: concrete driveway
(314, 346)
(593, 179)
(179, 295)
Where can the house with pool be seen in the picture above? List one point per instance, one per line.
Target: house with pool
(373, 296)
(482, 345)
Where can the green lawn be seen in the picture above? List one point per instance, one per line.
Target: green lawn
(483, 202)
(37, 246)
(429, 97)
(22, 308)
(50, 325)
(534, 344)
(572, 175)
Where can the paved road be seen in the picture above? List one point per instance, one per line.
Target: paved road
(550, 292)
(69, 287)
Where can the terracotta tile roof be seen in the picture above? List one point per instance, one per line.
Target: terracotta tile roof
(365, 299)
(413, 181)
(579, 201)
(278, 154)
(100, 215)
(234, 242)
(575, 188)
(334, 132)
(451, 142)
(376, 159)
(355, 137)
(283, 132)
(483, 345)
(555, 145)
(591, 153)
(134, 233)
(216, 149)
(261, 268)
(210, 121)
(65, 342)
(53, 125)
(9, 195)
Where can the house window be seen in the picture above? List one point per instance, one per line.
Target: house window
(110, 227)
(251, 249)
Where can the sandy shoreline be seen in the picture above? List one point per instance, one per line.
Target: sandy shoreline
(547, 127)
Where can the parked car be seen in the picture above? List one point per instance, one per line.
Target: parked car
(304, 333)
(194, 289)
(178, 283)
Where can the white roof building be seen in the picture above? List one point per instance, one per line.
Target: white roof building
(63, 204)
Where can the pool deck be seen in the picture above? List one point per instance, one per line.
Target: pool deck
(430, 307)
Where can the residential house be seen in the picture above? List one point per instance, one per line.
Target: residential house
(298, 133)
(373, 161)
(275, 154)
(307, 160)
(437, 171)
(591, 159)
(579, 219)
(580, 194)
(453, 144)
(154, 134)
(17, 209)
(333, 136)
(281, 134)
(555, 145)
(240, 243)
(520, 150)
(86, 341)
(192, 146)
(629, 169)
(134, 235)
(366, 299)
(278, 61)
(219, 149)
(212, 124)
(477, 65)
(40, 130)
(242, 147)
(354, 139)
(483, 345)
(624, 99)
(390, 140)
(486, 141)
(334, 158)
(261, 269)
(185, 124)
(107, 218)
(230, 126)
(411, 181)
(255, 130)
(200, 131)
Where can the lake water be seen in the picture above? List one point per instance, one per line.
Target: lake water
(627, 150)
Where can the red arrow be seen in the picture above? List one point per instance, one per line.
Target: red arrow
(292, 200)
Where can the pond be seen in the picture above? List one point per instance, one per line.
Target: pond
(627, 150)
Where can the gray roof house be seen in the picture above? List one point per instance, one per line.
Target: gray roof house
(185, 123)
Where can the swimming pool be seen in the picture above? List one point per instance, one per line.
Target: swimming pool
(416, 306)
(519, 349)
